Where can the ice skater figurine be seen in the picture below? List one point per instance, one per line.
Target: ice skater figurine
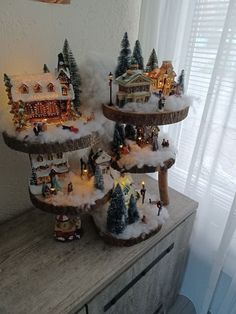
(159, 206)
(143, 191)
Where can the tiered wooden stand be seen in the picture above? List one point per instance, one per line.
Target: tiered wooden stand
(72, 212)
(148, 119)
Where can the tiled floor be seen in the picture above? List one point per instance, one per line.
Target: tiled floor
(182, 306)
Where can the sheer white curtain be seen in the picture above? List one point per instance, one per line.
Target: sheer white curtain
(200, 36)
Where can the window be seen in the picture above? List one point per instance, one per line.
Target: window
(37, 88)
(24, 89)
(64, 91)
(50, 87)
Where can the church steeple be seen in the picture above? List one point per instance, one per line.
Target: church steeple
(61, 63)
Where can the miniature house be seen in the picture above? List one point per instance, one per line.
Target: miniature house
(134, 86)
(42, 164)
(163, 78)
(103, 161)
(45, 97)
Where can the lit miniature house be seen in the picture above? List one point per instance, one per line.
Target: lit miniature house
(45, 97)
(134, 86)
(163, 78)
(43, 164)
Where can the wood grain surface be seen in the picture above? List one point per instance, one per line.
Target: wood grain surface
(39, 275)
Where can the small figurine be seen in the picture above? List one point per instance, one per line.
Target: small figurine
(144, 219)
(55, 186)
(165, 143)
(69, 188)
(161, 103)
(45, 190)
(143, 192)
(159, 206)
(70, 128)
(67, 228)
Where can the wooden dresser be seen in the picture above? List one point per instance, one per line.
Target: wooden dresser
(40, 276)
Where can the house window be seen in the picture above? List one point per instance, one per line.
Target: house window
(50, 87)
(24, 89)
(64, 91)
(50, 157)
(59, 155)
(37, 88)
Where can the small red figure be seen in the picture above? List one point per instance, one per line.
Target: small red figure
(159, 206)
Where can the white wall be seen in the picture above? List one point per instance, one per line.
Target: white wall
(31, 34)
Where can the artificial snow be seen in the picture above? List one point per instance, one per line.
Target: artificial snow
(172, 103)
(83, 195)
(138, 228)
(145, 156)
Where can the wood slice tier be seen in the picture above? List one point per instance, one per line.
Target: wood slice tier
(144, 118)
(51, 147)
(39, 202)
(110, 239)
(145, 169)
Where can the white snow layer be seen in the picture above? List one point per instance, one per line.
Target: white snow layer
(146, 156)
(83, 195)
(136, 229)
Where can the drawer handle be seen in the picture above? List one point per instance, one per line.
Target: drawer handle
(137, 278)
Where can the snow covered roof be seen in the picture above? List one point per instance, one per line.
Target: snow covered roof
(135, 78)
(103, 158)
(43, 80)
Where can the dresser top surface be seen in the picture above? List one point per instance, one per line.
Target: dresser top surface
(40, 275)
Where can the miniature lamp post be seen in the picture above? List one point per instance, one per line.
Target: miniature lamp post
(143, 191)
(110, 77)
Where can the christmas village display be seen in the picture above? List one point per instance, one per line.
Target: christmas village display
(50, 123)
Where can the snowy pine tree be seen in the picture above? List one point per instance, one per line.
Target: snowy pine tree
(45, 69)
(33, 178)
(133, 214)
(155, 143)
(152, 61)
(181, 81)
(7, 82)
(74, 73)
(130, 132)
(116, 212)
(137, 54)
(124, 57)
(98, 179)
(119, 136)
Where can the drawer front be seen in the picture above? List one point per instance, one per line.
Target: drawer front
(81, 311)
(152, 283)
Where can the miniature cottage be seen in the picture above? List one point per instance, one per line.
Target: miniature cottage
(103, 161)
(45, 97)
(134, 86)
(42, 164)
(163, 78)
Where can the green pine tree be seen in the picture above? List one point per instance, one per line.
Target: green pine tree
(181, 81)
(152, 61)
(133, 214)
(74, 73)
(45, 69)
(137, 54)
(116, 212)
(124, 57)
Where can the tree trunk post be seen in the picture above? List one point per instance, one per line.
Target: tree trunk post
(163, 185)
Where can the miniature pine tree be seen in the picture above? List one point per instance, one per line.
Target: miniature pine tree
(152, 61)
(98, 179)
(74, 73)
(130, 132)
(91, 165)
(45, 69)
(124, 57)
(121, 130)
(116, 212)
(137, 54)
(7, 82)
(117, 141)
(33, 179)
(132, 210)
(181, 81)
